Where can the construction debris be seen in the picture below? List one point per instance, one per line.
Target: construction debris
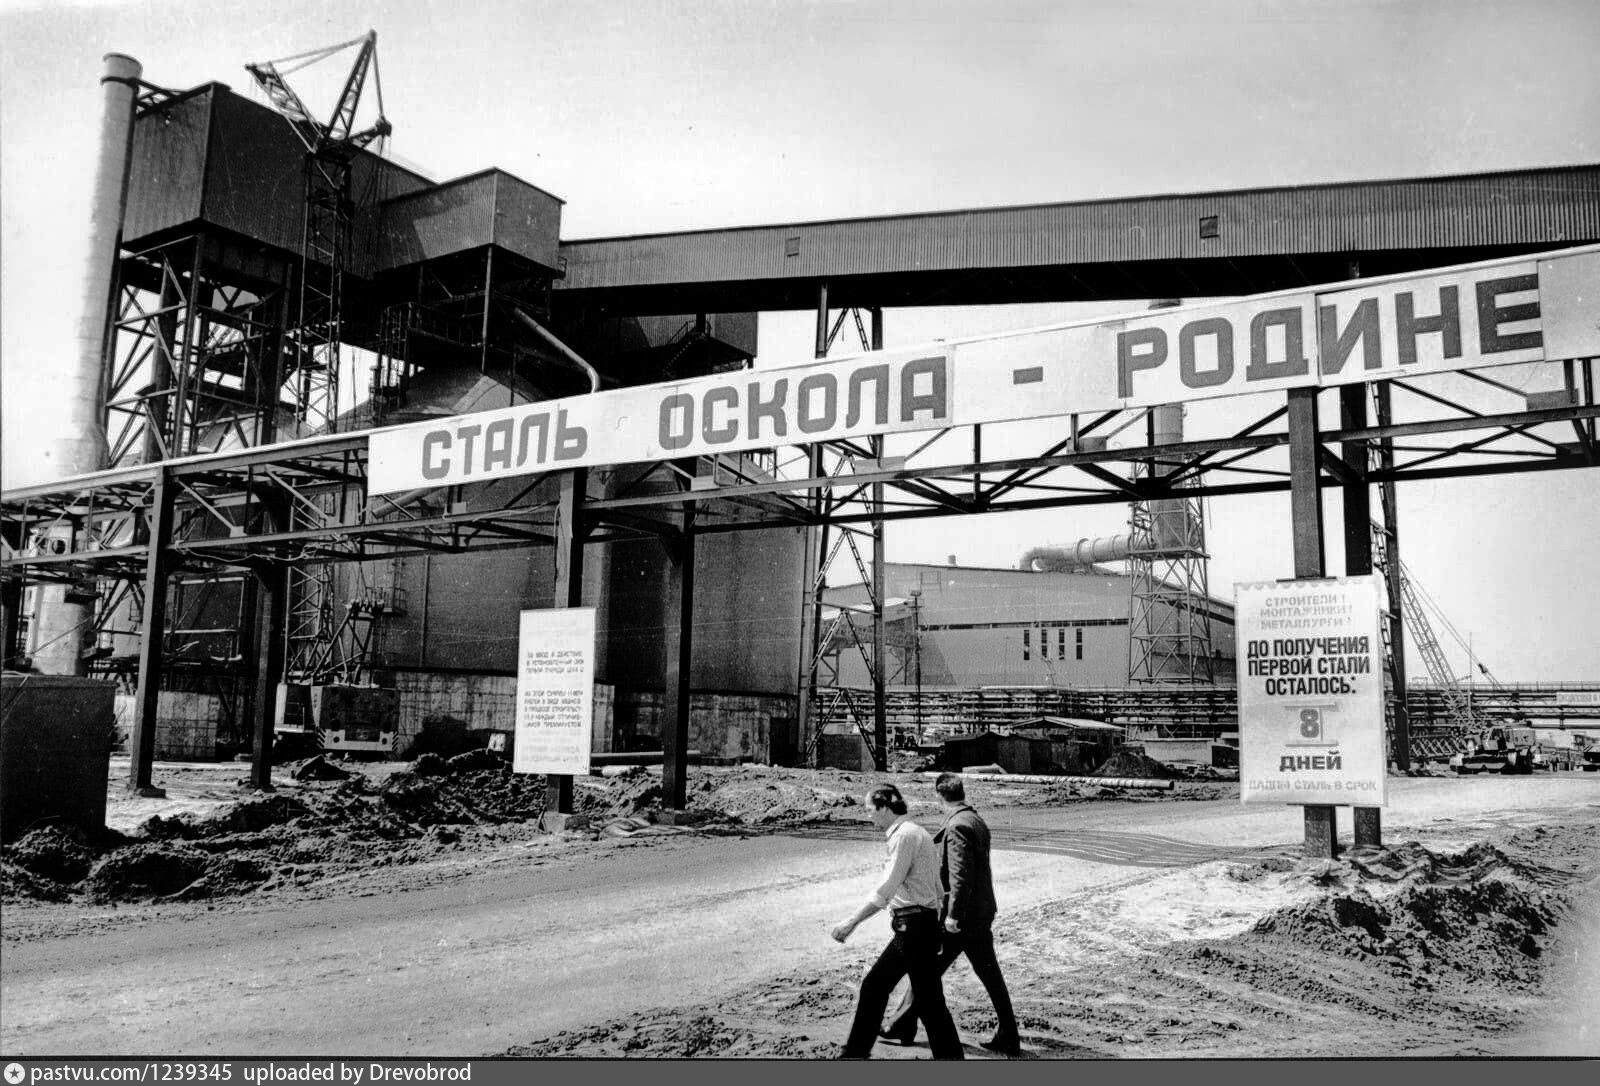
(332, 817)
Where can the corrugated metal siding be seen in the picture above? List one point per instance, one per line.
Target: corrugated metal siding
(449, 218)
(491, 207)
(214, 157)
(255, 177)
(165, 176)
(527, 220)
(1540, 207)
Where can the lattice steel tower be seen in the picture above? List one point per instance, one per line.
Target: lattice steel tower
(1169, 635)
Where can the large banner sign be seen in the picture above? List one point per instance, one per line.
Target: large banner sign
(1311, 692)
(555, 691)
(1490, 314)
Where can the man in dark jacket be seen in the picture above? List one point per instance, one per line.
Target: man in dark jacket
(968, 916)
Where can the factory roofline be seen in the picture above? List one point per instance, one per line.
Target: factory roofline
(474, 175)
(900, 216)
(1210, 244)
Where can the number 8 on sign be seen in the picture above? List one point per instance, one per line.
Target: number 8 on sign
(1311, 723)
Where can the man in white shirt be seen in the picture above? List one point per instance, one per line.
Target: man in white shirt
(911, 892)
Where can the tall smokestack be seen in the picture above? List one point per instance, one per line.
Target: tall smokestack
(82, 447)
(79, 443)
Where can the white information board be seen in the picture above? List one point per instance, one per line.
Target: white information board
(555, 691)
(1311, 692)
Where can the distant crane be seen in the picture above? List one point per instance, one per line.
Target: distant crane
(1466, 719)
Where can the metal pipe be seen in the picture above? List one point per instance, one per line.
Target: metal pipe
(78, 445)
(81, 444)
(1080, 555)
(566, 352)
(1168, 516)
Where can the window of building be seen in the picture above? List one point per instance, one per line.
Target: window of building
(1080, 643)
(1027, 643)
(1044, 644)
(1061, 643)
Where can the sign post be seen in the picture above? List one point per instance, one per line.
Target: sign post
(555, 693)
(1311, 698)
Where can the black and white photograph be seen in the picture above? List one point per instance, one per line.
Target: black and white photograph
(796, 530)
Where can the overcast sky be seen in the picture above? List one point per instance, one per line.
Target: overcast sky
(650, 116)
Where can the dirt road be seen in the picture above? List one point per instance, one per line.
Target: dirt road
(715, 944)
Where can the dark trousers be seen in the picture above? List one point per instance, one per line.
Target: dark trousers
(978, 946)
(913, 952)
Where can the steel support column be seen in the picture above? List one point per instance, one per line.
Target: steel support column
(880, 676)
(1305, 496)
(810, 613)
(1357, 509)
(811, 573)
(1393, 581)
(568, 593)
(676, 682)
(1305, 510)
(1356, 491)
(271, 590)
(142, 741)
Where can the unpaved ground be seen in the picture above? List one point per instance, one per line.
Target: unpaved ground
(1134, 923)
(210, 839)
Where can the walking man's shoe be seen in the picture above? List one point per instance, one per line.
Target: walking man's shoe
(1004, 1046)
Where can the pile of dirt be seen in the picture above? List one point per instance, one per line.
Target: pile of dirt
(762, 798)
(269, 839)
(1134, 764)
(1456, 911)
(342, 817)
(58, 853)
(719, 796)
(44, 862)
(1447, 941)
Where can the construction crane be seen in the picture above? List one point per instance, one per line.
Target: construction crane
(321, 650)
(313, 364)
(1456, 698)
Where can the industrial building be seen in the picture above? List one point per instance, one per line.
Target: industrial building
(279, 290)
(955, 626)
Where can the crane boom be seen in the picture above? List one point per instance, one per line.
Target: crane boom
(337, 134)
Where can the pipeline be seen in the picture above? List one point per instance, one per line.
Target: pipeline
(1080, 555)
(562, 349)
(1167, 516)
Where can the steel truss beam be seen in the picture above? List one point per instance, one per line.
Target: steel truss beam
(228, 511)
(218, 523)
